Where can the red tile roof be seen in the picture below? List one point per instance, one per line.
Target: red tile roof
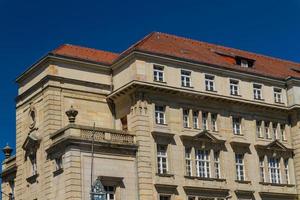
(191, 50)
(84, 53)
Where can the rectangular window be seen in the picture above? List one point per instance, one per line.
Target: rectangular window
(58, 163)
(277, 95)
(196, 119)
(240, 168)
(236, 125)
(262, 169)
(204, 120)
(244, 63)
(217, 164)
(110, 192)
(188, 161)
(275, 131)
(209, 82)
(214, 122)
(203, 163)
(162, 159)
(160, 115)
(267, 130)
(257, 91)
(33, 162)
(164, 197)
(286, 171)
(234, 87)
(259, 129)
(186, 78)
(274, 170)
(282, 132)
(158, 73)
(186, 118)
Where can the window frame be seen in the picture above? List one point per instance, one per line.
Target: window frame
(204, 120)
(240, 166)
(234, 87)
(188, 161)
(186, 118)
(202, 158)
(257, 91)
(160, 114)
(196, 119)
(237, 130)
(274, 170)
(186, 79)
(210, 84)
(278, 95)
(158, 72)
(162, 158)
(214, 122)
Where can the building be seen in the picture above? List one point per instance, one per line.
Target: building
(173, 118)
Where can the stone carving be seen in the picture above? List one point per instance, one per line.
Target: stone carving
(32, 117)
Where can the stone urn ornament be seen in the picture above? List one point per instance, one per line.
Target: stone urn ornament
(72, 113)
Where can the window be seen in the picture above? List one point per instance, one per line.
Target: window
(204, 120)
(58, 163)
(195, 119)
(274, 128)
(186, 119)
(262, 169)
(162, 159)
(32, 158)
(239, 165)
(164, 197)
(214, 122)
(244, 63)
(209, 83)
(267, 130)
(234, 87)
(158, 73)
(203, 163)
(259, 129)
(188, 161)
(217, 164)
(186, 78)
(277, 95)
(274, 170)
(257, 92)
(110, 192)
(160, 115)
(282, 132)
(286, 171)
(236, 125)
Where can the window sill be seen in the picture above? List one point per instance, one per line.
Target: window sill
(58, 172)
(164, 125)
(205, 179)
(214, 91)
(277, 184)
(243, 182)
(164, 82)
(165, 175)
(236, 95)
(191, 87)
(259, 99)
(32, 179)
(279, 102)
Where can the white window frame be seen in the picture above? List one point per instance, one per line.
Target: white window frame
(214, 122)
(186, 118)
(160, 114)
(234, 87)
(204, 120)
(259, 131)
(210, 82)
(287, 171)
(274, 170)
(186, 79)
(277, 95)
(267, 130)
(237, 125)
(217, 164)
(110, 190)
(244, 63)
(188, 161)
(158, 73)
(162, 159)
(203, 163)
(262, 169)
(283, 132)
(240, 167)
(196, 119)
(257, 91)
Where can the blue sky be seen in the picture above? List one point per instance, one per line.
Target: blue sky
(29, 29)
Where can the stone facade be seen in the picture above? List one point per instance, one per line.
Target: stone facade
(165, 138)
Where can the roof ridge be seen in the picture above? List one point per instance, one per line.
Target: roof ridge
(229, 48)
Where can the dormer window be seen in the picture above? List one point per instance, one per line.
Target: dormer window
(244, 63)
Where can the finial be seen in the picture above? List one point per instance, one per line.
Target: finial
(7, 150)
(72, 113)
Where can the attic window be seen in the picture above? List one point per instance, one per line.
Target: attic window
(244, 62)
